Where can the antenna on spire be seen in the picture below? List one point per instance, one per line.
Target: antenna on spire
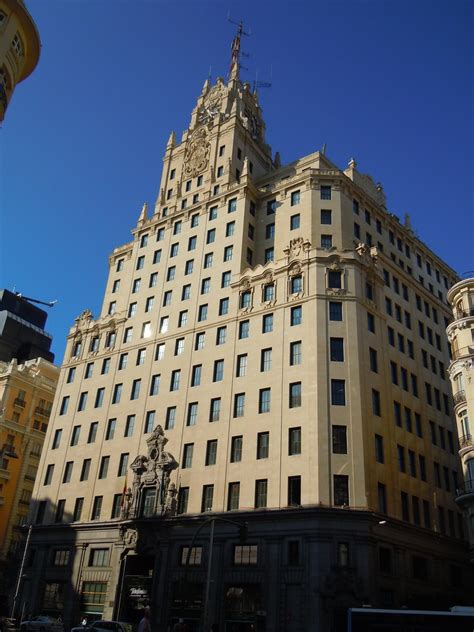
(235, 47)
(261, 84)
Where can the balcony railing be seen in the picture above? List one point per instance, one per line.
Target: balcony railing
(45, 412)
(459, 397)
(464, 313)
(19, 402)
(462, 352)
(465, 441)
(468, 488)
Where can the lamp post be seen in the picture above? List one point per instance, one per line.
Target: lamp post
(243, 536)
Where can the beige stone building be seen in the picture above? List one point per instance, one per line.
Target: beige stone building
(270, 345)
(26, 398)
(19, 48)
(461, 336)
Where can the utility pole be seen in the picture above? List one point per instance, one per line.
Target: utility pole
(20, 575)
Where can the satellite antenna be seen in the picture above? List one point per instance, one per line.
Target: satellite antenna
(236, 52)
(35, 300)
(262, 84)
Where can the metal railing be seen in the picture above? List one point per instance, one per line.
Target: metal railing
(464, 313)
(465, 441)
(459, 397)
(468, 488)
(19, 402)
(462, 352)
(45, 412)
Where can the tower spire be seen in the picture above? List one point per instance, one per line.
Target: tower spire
(235, 53)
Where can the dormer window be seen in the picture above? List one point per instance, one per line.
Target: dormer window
(17, 45)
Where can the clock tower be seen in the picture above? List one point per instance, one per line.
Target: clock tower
(225, 137)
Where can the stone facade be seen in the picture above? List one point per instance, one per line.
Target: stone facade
(19, 48)
(460, 334)
(284, 334)
(26, 398)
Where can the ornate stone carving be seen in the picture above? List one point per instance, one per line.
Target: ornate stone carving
(129, 536)
(83, 320)
(151, 480)
(245, 284)
(196, 157)
(296, 247)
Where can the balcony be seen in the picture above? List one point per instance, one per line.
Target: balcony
(44, 412)
(463, 352)
(459, 397)
(9, 451)
(464, 313)
(466, 493)
(465, 441)
(21, 403)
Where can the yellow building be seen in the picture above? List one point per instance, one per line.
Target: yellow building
(461, 371)
(19, 48)
(26, 397)
(270, 350)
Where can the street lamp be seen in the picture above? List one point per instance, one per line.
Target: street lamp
(243, 531)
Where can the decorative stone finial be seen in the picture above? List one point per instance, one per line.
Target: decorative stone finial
(277, 160)
(352, 163)
(143, 215)
(407, 221)
(171, 141)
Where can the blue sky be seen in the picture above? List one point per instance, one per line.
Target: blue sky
(81, 147)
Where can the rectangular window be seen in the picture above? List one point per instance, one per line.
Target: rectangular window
(123, 464)
(183, 498)
(179, 346)
(223, 306)
(49, 474)
(267, 323)
(170, 417)
(215, 409)
(294, 491)
(264, 400)
(379, 451)
(229, 229)
(325, 192)
(149, 421)
(339, 439)
(175, 380)
(104, 467)
(265, 360)
(192, 414)
(92, 432)
(295, 395)
(207, 498)
(189, 267)
(338, 392)
(296, 315)
(211, 236)
(78, 505)
(233, 496)
(232, 205)
(200, 338)
(236, 449)
(218, 373)
(99, 397)
(82, 401)
(129, 426)
(261, 487)
(155, 384)
(202, 313)
(76, 431)
(244, 329)
(211, 452)
(326, 242)
(295, 221)
(183, 318)
(123, 359)
(57, 439)
(187, 455)
(135, 392)
(239, 404)
(86, 466)
(95, 515)
(221, 335)
(196, 375)
(336, 349)
(376, 408)
(263, 440)
(294, 441)
(334, 279)
(341, 489)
